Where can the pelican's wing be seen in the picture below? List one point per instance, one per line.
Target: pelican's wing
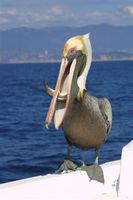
(106, 110)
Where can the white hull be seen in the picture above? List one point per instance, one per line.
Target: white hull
(76, 185)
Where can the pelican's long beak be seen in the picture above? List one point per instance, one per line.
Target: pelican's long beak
(71, 68)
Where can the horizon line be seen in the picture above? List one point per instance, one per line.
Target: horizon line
(64, 26)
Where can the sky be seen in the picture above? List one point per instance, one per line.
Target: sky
(42, 13)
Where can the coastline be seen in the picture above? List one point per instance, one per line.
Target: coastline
(58, 61)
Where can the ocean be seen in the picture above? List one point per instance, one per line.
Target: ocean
(27, 148)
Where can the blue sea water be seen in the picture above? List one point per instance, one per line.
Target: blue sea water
(27, 148)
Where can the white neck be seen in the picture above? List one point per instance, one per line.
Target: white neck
(82, 78)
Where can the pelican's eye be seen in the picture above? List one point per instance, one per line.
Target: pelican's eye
(72, 51)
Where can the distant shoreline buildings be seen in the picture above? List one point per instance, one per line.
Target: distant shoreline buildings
(45, 57)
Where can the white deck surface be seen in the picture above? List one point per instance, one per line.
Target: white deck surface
(76, 185)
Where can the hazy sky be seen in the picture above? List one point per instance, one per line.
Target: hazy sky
(41, 13)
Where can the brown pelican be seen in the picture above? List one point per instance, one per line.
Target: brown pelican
(85, 119)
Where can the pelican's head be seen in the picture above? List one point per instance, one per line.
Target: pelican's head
(79, 45)
(75, 64)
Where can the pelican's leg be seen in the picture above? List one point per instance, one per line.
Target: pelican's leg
(67, 165)
(96, 157)
(94, 171)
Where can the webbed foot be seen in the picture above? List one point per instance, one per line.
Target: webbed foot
(94, 172)
(66, 166)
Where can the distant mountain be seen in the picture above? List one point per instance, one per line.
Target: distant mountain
(28, 44)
